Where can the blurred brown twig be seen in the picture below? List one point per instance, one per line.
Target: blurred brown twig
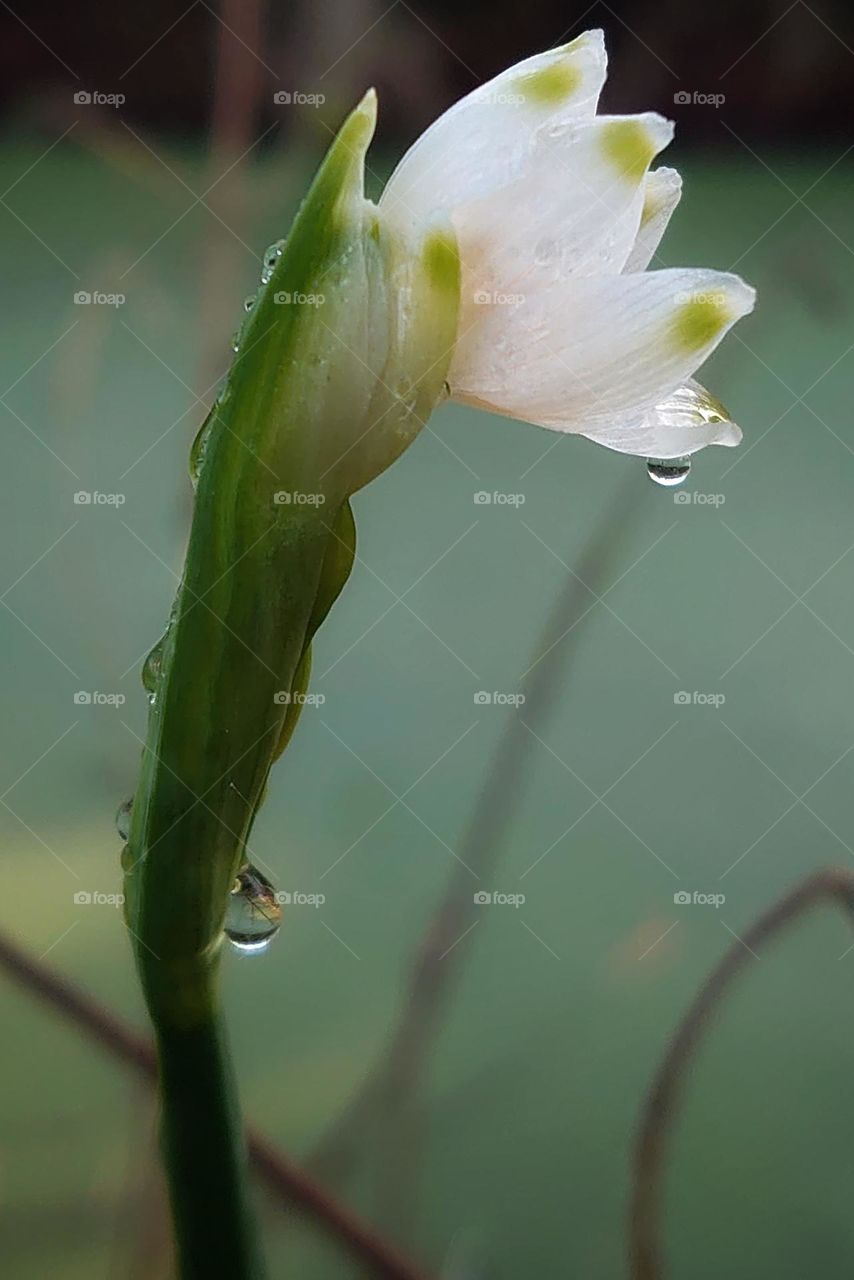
(661, 1106)
(392, 1087)
(288, 1184)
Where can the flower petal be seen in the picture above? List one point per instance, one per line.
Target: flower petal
(575, 210)
(662, 192)
(482, 142)
(688, 420)
(592, 349)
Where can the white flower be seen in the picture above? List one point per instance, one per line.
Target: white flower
(558, 216)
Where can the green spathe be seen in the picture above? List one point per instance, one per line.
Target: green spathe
(342, 359)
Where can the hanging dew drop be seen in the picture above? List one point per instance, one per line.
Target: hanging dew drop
(668, 472)
(249, 301)
(253, 915)
(123, 815)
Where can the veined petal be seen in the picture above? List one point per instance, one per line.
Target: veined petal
(575, 210)
(688, 420)
(662, 193)
(576, 357)
(482, 142)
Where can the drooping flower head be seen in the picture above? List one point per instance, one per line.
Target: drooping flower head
(558, 215)
(507, 261)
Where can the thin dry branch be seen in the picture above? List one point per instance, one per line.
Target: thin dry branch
(289, 1186)
(662, 1103)
(388, 1100)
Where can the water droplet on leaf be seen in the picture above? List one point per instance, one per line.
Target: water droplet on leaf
(153, 666)
(197, 449)
(273, 253)
(123, 815)
(249, 301)
(253, 914)
(151, 670)
(271, 257)
(668, 472)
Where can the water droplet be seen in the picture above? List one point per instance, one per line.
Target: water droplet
(668, 472)
(546, 253)
(249, 302)
(253, 915)
(123, 818)
(271, 258)
(273, 253)
(128, 860)
(151, 669)
(197, 449)
(235, 341)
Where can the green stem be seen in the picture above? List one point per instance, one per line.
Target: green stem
(204, 1151)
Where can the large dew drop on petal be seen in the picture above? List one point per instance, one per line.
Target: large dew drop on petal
(670, 472)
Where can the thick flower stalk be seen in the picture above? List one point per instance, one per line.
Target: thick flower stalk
(505, 265)
(343, 355)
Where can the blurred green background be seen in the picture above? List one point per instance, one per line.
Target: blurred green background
(740, 595)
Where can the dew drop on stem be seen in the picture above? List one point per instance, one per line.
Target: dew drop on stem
(123, 815)
(253, 915)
